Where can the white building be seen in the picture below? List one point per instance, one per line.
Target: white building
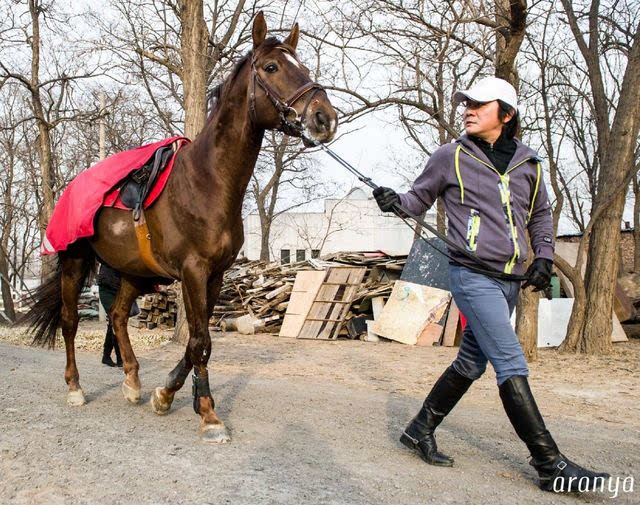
(351, 223)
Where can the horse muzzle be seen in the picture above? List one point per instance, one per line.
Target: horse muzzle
(320, 126)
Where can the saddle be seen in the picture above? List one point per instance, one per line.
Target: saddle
(138, 184)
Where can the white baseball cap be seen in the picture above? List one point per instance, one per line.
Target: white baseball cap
(488, 90)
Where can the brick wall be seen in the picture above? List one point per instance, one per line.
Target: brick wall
(627, 247)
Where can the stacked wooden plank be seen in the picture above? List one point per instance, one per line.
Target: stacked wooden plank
(88, 305)
(321, 302)
(414, 314)
(256, 288)
(157, 310)
(263, 290)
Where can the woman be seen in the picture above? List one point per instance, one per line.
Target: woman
(493, 192)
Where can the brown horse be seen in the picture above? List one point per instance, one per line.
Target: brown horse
(195, 227)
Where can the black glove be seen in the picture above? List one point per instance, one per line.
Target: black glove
(386, 198)
(539, 274)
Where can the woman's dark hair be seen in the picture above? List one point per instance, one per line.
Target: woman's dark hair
(512, 127)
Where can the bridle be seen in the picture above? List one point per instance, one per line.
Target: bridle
(290, 121)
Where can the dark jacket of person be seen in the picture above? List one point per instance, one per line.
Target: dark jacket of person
(488, 211)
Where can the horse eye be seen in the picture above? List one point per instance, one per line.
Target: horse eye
(271, 68)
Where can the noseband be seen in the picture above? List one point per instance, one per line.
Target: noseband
(290, 121)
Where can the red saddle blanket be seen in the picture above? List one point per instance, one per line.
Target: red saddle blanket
(97, 187)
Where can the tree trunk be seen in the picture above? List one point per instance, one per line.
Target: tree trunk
(602, 269)
(572, 339)
(615, 148)
(527, 320)
(511, 16)
(636, 225)
(44, 137)
(265, 232)
(7, 301)
(194, 39)
(270, 194)
(46, 172)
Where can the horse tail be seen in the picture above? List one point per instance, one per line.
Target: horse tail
(45, 308)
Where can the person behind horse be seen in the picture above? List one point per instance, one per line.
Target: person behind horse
(493, 192)
(108, 285)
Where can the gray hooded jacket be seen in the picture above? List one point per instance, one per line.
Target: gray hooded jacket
(487, 212)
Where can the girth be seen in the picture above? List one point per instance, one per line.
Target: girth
(145, 248)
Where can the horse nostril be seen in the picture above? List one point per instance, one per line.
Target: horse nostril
(322, 120)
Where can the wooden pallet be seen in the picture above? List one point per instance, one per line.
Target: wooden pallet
(331, 303)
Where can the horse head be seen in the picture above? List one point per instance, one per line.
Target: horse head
(282, 95)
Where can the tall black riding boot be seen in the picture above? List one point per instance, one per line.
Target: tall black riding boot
(109, 341)
(116, 348)
(444, 395)
(556, 472)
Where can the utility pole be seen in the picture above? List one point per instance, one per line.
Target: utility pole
(102, 315)
(102, 138)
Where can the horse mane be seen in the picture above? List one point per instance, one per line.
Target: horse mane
(219, 93)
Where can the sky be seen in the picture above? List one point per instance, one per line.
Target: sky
(374, 147)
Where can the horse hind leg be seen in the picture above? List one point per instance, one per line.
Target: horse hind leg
(74, 271)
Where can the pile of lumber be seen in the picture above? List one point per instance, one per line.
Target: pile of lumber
(88, 305)
(157, 310)
(255, 288)
(262, 290)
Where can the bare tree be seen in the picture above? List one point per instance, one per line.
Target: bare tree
(612, 46)
(176, 49)
(19, 231)
(284, 180)
(50, 97)
(636, 223)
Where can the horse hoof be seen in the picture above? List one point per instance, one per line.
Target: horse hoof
(133, 395)
(215, 434)
(75, 398)
(157, 405)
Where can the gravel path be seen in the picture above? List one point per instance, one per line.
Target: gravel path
(312, 423)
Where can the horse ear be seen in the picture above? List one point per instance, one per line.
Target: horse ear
(292, 39)
(259, 31)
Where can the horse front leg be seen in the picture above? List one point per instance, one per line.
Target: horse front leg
(129, 289)
(162, 397)
(212, 428)
(199, 299)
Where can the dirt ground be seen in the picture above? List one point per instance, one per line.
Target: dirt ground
(312, 422)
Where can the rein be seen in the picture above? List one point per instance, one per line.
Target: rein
(290, 121)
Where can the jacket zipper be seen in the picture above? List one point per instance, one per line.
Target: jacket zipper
(506, 201)
(473, 227)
